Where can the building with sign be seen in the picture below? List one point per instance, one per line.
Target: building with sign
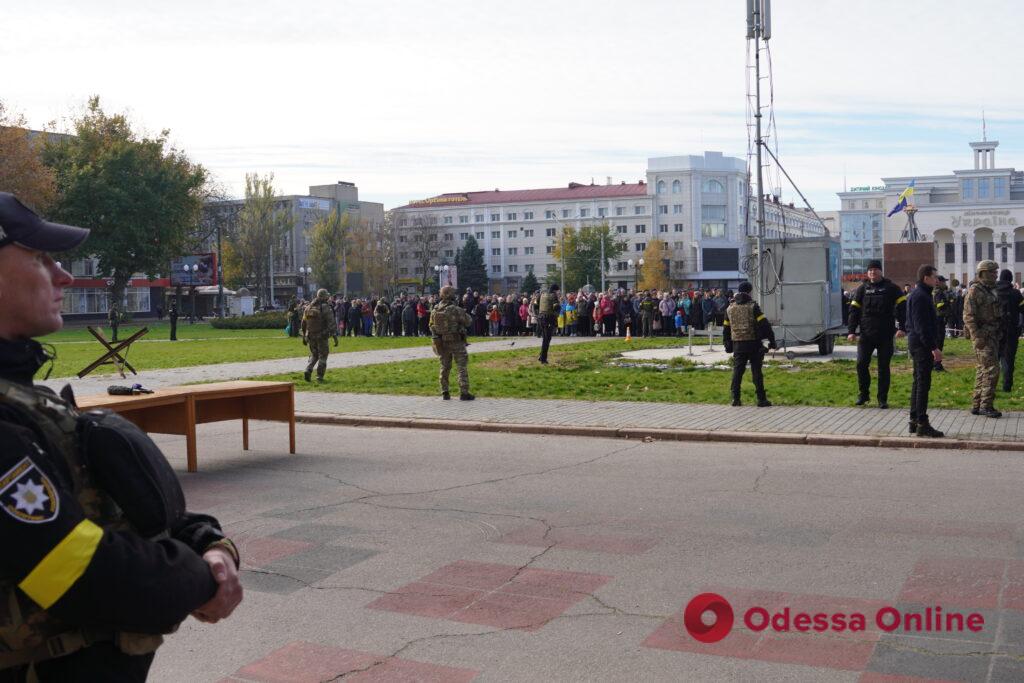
(700, 206)
(973, 214)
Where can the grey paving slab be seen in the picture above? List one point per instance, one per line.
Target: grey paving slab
(621, 414)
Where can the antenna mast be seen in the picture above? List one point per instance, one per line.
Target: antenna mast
(759, 27)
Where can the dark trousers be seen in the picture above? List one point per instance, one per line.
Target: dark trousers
(923, 365)
(1007, 357)
(547, 327)
(739, 366)
(941, 339)
(865, 347)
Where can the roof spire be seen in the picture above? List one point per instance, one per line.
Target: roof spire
(984, 135)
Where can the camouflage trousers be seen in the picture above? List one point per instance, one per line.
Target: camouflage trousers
(456, 351)
(986, 373)
(318, 350)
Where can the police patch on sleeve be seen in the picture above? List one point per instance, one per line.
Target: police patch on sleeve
(27, 495)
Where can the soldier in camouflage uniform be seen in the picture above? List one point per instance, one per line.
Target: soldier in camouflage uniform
(448, 324)
(317, 325)
(982, 325)
(743, 328)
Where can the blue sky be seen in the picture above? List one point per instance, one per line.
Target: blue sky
(412, 99)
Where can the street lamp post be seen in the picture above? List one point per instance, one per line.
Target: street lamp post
(304, 273)
(192, 270)
(441, 270)
(636, 272)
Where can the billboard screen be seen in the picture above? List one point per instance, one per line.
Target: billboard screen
(204, 274)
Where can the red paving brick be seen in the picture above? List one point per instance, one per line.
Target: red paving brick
(302, 662)
(955, 582)
(261, 550)
(1013, 591)
(844, 650)
(492, 594)
(565, 539)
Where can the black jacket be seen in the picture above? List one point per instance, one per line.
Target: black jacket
(764, 330)
(922, 323)
(876, 308)
(128, 583)
(1012, 303)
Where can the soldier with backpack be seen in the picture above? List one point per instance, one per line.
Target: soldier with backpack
(317, 325)
(448, 325)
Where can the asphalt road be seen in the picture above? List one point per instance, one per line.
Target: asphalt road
(422, 555)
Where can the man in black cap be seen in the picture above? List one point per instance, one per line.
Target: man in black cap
(876, 307)
(85, 596)
(1011, 304)
(743, 329)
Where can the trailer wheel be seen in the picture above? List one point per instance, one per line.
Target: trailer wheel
(826, 344)
(790, 355)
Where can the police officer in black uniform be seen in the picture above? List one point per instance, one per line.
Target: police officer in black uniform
(90, 574)
(943, 301)
(877, 306)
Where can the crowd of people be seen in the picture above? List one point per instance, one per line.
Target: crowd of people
(582, 313)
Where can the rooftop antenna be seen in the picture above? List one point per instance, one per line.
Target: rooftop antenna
(984, 135)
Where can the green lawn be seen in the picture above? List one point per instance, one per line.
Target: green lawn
(584, 371)
(198, 344)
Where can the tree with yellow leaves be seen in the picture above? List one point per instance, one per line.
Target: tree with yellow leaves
(654, 274)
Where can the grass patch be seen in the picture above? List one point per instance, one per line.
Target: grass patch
(583, 371)
(198, 344)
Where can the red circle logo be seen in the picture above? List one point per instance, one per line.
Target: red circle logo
(717, 605)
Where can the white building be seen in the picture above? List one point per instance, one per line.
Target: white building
(700, 206)
(973, 214)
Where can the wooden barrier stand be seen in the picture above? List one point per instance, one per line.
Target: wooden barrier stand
(177, 410)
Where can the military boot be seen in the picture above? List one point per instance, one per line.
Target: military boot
(736, 400)
(925, 429)
(861, 400)
(990, 412)
(466, 396)
(446, 396)
(308, 375)
(763, 402)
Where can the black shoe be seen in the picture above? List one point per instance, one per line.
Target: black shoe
(861, 401)
(445, 396)
(466, 397)
(938, 368)
(736, 402)
(989, 412)
(975, 411)
(913, 427)
(927, 431)
(319, 379)
(308, 376)
(764, 403)
(883, 404)
(542, 361)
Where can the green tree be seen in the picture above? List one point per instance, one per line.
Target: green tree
(530, 284)
(141, 197)
(472, 270)
(261, 224)
(583, 254)
(327, 242)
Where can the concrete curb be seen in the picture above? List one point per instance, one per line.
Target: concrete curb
(659, 434)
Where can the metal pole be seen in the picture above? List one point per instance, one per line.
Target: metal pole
(220, 275)
(760, 180)
(271, 275)
(561, 252)
(602, 261)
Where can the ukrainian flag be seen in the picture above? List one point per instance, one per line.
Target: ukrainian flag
(901, 201)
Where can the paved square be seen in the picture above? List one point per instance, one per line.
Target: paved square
(955, 582)
(492, 594)
(567, 539)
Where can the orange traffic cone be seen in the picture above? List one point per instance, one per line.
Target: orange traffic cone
(629, 336)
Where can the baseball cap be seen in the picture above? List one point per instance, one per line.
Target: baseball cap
(21, 225)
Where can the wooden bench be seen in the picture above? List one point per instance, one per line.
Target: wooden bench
(177, 410)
